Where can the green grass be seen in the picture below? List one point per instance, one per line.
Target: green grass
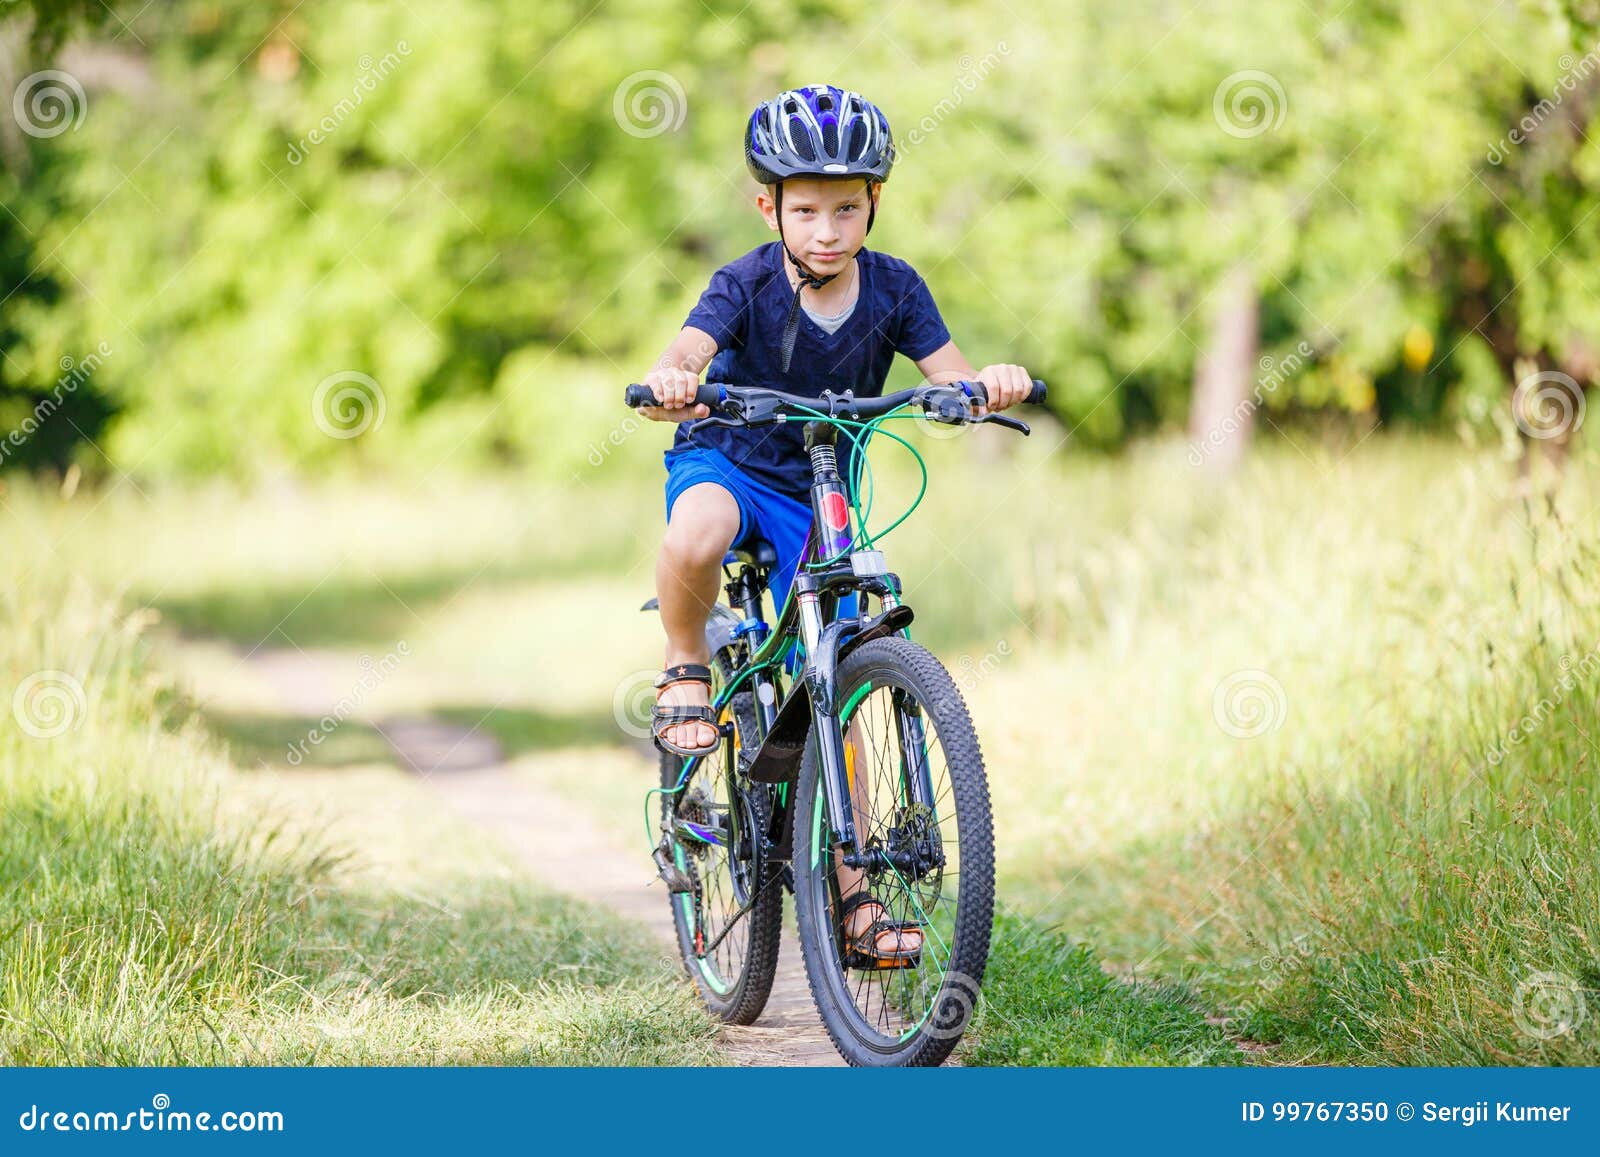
(1356, 884)
(1048, 1001)
(159, 913)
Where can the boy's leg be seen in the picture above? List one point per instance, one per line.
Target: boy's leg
(703, 523)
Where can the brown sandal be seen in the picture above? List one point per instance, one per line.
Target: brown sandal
(661, 718)
(862, 950)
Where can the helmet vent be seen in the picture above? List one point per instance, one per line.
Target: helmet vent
(801, 139)
(858, 140)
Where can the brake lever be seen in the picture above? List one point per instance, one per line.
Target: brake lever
(714, 420)
(1009, 423)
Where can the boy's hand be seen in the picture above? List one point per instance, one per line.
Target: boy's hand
(1006, 385)
(674, 388)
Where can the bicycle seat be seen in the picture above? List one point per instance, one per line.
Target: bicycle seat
(759, 554)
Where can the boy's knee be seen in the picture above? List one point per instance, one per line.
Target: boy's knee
(705, 519)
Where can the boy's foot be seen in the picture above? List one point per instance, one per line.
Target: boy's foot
(871, 937)
(681, 721)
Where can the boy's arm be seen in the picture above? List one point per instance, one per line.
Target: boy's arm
(676, 376)
(1006, 384)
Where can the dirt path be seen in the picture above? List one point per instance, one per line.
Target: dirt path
(557, 841)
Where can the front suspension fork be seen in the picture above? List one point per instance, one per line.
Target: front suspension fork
(821, 653)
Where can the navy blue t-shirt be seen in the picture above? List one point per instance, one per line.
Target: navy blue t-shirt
(744, 309)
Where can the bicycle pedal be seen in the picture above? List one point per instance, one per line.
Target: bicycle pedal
(674, 877)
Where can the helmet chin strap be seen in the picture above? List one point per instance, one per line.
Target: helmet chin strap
(791, 327)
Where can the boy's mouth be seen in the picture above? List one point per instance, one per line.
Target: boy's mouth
(827, 256)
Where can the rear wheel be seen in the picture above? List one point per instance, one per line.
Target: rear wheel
(728, 925)
(923, 821)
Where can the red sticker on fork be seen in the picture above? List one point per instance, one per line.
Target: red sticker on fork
(835, 511)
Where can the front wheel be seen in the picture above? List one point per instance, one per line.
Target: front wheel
(923, 825)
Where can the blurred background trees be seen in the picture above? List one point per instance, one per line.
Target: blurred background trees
(1250, 216)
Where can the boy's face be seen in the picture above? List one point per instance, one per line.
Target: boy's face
(824, 221)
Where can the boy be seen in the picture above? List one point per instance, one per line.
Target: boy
(822, 154)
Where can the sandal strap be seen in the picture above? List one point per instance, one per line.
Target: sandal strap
(850, 903)
(866, 941)
(682, 714)
(663, 718)
(684, 673)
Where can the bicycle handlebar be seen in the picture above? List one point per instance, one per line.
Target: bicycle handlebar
(756, 404)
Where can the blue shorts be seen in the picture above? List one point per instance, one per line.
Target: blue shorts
(763, 514)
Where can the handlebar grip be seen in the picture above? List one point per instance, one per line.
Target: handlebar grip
(1035, 396)
(708, 394)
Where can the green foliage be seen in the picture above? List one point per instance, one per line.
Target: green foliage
(483, 208)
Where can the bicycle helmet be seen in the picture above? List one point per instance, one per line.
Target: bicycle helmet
(816, 131)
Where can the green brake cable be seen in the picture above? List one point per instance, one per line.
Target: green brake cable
(864, 538)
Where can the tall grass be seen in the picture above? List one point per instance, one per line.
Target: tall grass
(146, 924)
(1382, 871)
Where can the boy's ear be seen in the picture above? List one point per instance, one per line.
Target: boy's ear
(769, 207)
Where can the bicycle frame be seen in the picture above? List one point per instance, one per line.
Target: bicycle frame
(809, 710)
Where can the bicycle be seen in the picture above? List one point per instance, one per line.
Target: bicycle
(784, 801)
